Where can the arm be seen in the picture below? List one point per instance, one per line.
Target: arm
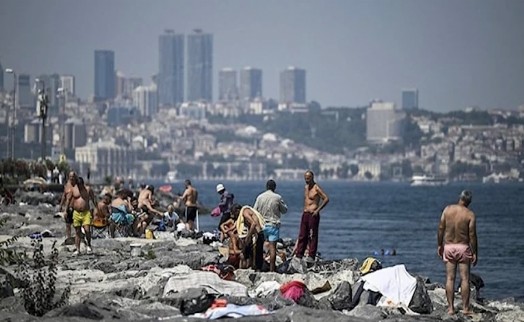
(473, 239)
(185, 195)
(325, 200)
(282, 206)
(440, 233)
(68, 198)
(227, 226)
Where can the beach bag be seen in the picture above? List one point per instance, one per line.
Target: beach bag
(196, 302)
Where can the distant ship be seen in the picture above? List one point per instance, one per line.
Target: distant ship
(425, 180)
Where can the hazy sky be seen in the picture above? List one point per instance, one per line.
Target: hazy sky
(457, 53)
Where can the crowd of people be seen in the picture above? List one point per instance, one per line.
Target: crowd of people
(250, 230)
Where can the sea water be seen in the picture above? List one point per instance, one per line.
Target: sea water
(363, 218)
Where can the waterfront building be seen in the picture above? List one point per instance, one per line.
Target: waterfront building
(227, 84)
(250, 83)
(200, 66)
(410, 99)
(104, 75)
(383, 122)
(171, 68)
(107, 159)
(293, 85)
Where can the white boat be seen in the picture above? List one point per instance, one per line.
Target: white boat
(170, 177)
(426, 180)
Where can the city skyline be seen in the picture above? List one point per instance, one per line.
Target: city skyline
(457, 54)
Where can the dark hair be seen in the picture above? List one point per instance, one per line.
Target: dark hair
(271, 185)
(235, 207)
(466, 197)
(81, 180)
(151, 188)
(188, 182)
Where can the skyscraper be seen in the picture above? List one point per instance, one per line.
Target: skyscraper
(250, 83)
(410, 99)
(104, 75)
(200, 66)
(227, 84)
(24, 97)
(146, 99)
(293, 85)
(170, 68)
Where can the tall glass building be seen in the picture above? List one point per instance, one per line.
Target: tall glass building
(104, 75)
(227, 84)
(293, 85)
(199, 66)
(170, 68)
(250, 83)
(410, 99)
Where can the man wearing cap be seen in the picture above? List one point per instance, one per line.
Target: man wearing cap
(271, 206)
(226, 201)
(457, 244)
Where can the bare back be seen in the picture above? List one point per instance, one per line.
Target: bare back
(190, 196)
(144, 198)
(458, 220)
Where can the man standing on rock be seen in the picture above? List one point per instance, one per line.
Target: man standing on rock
(78, 198)
(315, 199)
(271, 206)
(457, 244)
(68, 211)
(190, 198)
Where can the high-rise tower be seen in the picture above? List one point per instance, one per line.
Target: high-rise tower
(293, 85)
(104, 75)
(410, 99)
(170, 68)
(250, 83)
(199, 66)
(227, 84)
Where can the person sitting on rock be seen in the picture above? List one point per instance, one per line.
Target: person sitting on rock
(121, 216)
(146, 202)
(102, 213)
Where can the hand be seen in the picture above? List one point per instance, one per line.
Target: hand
(315, 213)
(440, 251)
(474, 260)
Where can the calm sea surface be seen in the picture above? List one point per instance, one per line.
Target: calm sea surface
(365, 217)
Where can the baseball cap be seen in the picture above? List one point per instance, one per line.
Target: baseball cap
(220, 187)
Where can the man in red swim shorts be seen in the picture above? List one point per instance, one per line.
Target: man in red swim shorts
(457, 245)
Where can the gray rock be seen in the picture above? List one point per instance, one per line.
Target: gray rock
(367, 312)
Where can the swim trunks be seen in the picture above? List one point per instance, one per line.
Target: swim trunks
(457, 253)
(191, 213)
(271, 232)
(81, 218)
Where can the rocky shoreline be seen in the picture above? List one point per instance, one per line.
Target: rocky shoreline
(113, 284)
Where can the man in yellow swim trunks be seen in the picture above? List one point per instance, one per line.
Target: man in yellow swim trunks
(78, 198)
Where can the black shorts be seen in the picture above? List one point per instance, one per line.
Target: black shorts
(69, 215)
(191, 213)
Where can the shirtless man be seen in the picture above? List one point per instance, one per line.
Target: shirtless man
(78, 198)
(457, 244)
(315, 199)
(190, 198)
(68, 211)
(145, 202)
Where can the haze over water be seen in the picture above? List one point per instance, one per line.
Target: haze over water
(364, 217)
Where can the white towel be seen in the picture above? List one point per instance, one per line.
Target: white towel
(393, 282)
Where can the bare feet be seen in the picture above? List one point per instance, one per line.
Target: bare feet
(467, 312)
(451, 311)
